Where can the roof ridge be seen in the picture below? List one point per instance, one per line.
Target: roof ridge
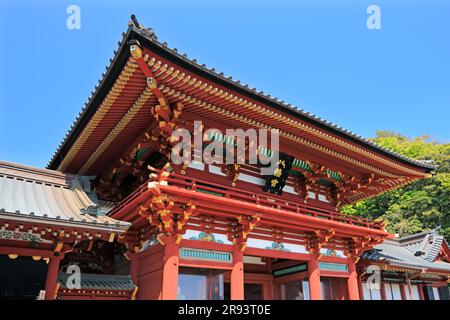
(415, 235)
(48, 195)
(26, 172)
(400, 256)
(435, 248)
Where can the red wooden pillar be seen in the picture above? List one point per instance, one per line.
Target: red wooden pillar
(314, 279)
(170, 270)
(383, 291)
(352, 281)
(420, 289)
(270, 294)
(408, 290)
(237, 275)
(52, 277)
(134, 267)
(360, 289)
(403, 291)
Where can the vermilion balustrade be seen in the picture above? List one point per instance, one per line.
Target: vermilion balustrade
(261, 199)
(265, 200)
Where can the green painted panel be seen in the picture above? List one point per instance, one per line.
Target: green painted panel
(265, 152)
(334, 175)
(140, 153)
(205, 255)
(290, 270)
(301, 165)
(210, 192)
(333, 266)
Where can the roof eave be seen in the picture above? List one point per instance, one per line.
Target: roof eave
(112, 70)
(119, 60)
(100, 227)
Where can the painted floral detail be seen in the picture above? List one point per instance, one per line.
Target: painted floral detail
(277, 246)
(203, 236)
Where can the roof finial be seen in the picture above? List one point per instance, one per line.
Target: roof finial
(135, 22)
(148, 31)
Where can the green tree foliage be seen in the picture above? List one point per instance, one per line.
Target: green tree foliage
(421, 205)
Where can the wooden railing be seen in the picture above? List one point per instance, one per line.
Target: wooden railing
(266, 200)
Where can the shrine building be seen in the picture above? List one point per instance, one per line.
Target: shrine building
(115, 207)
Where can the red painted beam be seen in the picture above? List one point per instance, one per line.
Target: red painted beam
(26, 252)
(276, 254)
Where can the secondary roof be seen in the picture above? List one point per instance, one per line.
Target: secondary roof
(48, 196)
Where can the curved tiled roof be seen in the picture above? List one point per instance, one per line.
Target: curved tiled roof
(394, 253)
(27, 192)
(99, 282)
(136, 31)
(427, 242)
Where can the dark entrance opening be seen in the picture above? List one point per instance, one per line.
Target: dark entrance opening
(253, 291)
(21, 278)
(200, 284)
(334, 288)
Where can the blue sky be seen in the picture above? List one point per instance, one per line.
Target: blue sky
(318, 55)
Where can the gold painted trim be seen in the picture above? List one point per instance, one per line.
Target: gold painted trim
(159, 68)
(131, 113)
(188, 99)
(286, 120)
(96, 119)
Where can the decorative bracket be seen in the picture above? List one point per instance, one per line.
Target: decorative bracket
(316, 240)
(232, 171)
(356, 246)
(301, 187)
(239, 229)
(160, 213)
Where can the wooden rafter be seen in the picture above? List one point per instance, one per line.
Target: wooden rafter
(157, 137)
